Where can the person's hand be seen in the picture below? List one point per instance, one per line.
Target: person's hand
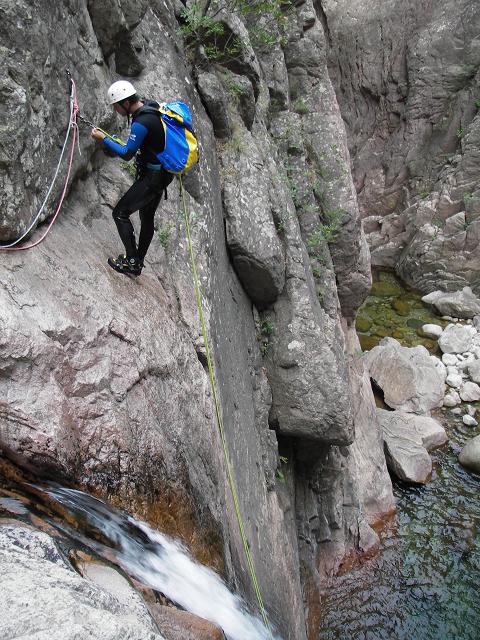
(97, 135)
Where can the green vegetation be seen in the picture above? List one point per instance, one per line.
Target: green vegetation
(279, 473)
(203, 26)
(164, 233)
(477, 104)
(438, 222)
(327, 231)
(267, 329)
(129, 167)
(300, 106)
(460, 133)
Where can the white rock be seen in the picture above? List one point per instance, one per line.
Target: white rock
(470, 392)
(476, 351)
(469, 421)
(457, 411)
(456, 339)
(408, 377)
(432, 330)
(454, 380)
(471, 410)
(43, 597)
(449, 359)
(474, 370)
(405, 452)
(451, 370)
(451, 399)
(439, 366)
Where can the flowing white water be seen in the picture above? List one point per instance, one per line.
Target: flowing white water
(165, 565)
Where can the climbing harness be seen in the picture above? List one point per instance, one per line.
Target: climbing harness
(218, 414)
(72, 124)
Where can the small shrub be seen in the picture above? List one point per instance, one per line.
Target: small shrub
(267, 328)
(300, 106)
(326, 231)
(460, 133)
(164, 234)
(438, 222)
(129, 167)
(477, 104)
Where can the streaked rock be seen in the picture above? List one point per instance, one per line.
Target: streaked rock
(407, 376)
(405, 436)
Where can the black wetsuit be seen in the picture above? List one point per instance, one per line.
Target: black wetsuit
(146, 139)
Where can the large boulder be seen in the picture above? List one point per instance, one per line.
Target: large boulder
(408, 377)
(459, 304)
(457, 338)
(470, 455)
(45, 599)
(407, 437)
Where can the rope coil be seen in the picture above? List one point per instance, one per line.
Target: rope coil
(72, 124)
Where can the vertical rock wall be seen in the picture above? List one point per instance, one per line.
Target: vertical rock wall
(407, 79)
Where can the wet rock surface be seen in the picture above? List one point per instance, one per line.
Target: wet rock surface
(45, 598)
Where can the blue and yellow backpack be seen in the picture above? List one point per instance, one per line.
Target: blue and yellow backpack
(181, 147)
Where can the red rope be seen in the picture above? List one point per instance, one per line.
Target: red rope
(72, 123)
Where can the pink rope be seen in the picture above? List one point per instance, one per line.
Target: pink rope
(74, 125)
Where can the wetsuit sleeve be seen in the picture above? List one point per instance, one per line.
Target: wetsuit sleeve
(135, 139)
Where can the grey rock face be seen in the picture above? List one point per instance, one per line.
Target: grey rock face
(256, 249)
(413, 131)
(214, 99)
(459, 304)
(407, 376)
(45, 598)
(306, 366)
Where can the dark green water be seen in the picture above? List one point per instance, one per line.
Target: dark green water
(392, 310)
(425, 582)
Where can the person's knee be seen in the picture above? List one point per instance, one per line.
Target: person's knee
(120, 215)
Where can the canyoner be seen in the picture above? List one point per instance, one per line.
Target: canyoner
(163, 143)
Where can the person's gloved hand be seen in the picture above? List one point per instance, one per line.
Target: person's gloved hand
(97, 135)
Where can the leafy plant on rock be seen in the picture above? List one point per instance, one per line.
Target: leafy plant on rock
(203, 26)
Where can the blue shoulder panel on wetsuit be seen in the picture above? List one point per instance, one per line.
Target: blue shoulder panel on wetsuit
(135, 139)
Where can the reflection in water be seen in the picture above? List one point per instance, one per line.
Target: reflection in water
(425, 582)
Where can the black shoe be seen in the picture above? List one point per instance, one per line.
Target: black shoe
(125, 265)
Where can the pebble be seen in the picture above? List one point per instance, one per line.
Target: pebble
(469, 421)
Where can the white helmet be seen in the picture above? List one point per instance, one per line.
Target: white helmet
(120, 90)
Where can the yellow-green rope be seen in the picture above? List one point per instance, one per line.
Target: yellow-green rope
(218, 414)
